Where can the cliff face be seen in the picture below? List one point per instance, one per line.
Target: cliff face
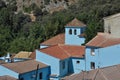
(48, 5)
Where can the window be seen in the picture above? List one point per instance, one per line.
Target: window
(63, 65)
(40, 76)
(92, 52)
(70, 31)
(77, 62)
(109, 29)
(75, 32)
(92, 65)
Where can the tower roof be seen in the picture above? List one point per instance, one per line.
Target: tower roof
(75, 23)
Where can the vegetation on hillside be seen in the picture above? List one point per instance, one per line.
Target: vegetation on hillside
(18, 33)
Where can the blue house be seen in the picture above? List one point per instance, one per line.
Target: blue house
(102, 51)
(64, 53)
(99, 52)
(26, 70)
(63, 59)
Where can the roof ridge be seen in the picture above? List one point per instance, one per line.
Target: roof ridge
(103, 75)
(64, 51)
(91, 40)
(76, 22)
(94, 76)
(60, 37)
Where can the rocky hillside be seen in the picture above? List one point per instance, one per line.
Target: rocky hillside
(48, 5)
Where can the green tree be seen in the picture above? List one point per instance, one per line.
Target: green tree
(5, 39)
(2, 4)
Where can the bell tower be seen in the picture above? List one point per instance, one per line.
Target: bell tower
(74, 32)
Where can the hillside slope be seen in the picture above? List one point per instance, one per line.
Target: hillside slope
(18, 33)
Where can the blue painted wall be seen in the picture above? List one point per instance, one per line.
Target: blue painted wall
(110, 56)
(55, 64)
(90, 58)
(31, 75)
(49, 60)
(64, 71)
(6, 71)
(104, 57)
(72, 39)
(78, 67)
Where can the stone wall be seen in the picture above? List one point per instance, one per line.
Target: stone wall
(112, 25)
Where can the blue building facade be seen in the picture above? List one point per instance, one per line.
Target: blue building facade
(102, 51)
(6, 71)
(61, 61)
(27, 70)
(73, 36)
(102, 57)
(78, 65)
(74, 33)
(59, 68)
(43, 74)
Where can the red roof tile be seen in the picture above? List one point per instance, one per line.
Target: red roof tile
(58, 39)
(107, 73)
(25, 66)
(64, 51)
(75, 23)
(103, 40)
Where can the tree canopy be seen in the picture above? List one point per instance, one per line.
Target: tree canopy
(18, 33)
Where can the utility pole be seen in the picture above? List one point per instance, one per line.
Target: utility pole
(37, 72)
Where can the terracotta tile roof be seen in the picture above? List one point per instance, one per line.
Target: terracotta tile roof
(58, 39)
(6, 77)
(75, 23)
(25, 66)
(23, 54)
(107, 73)
(103, 40)
(64, 51)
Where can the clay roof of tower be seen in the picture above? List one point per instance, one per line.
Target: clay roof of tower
(75, 23)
